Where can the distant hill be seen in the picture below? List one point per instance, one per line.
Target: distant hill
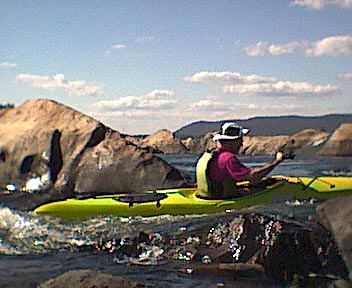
(269, 126)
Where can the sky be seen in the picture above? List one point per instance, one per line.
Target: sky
(140, 66)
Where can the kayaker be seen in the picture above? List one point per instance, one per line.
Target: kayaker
(219, 171)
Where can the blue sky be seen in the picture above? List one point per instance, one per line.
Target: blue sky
(140, 66)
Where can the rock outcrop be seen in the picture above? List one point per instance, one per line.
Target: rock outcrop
(198, 146)
(309, 140)
(306, 142)
(249, 245)
(190, 144)
(340, 142)
(49, 151)
(263, 145)
(303, 142)
(164, 141)
(335, 215)
(119, 166)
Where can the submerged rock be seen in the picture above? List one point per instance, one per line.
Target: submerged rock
(50, 151)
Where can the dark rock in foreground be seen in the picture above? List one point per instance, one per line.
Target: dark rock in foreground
(91, 279)
(336, 216)
(49, 151)
(239, 246)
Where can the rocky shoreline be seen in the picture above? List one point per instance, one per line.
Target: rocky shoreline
(49, 152)
(307, 142)
(58, 152)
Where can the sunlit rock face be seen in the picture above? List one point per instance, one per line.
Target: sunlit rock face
(49, 151)
(306, 142)
(164, 141)
(340, 142)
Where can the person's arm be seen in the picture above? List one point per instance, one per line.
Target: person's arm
(256, 175)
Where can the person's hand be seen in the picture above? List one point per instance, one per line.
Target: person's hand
(279, 156)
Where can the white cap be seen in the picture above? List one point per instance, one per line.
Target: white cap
(236, 132)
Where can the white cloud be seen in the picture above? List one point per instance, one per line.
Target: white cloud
(8, 65)
(320, 4)
(281, 88)
(212, 109)
(138, 105)
(227, 77)
(288, 48)
(206, 109)
(118, 46)
(256, 85)
(58, 82)
(343, 3)
(331, 46)
(139, 114)
(262, 48)
(347, 76)
(256, 50)
(209, 104)
(311, 4)
(260, 109)
(115, 47)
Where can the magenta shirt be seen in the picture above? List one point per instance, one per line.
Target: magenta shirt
(225, 164)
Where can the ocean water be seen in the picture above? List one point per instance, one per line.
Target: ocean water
(34, 249)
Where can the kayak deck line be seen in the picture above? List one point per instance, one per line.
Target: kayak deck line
(184, 201)
(318, 179)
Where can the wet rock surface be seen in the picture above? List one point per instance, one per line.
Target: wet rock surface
(49, 151)
(263, 246)
(237, 246)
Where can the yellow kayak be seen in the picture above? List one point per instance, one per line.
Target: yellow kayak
(184, 201)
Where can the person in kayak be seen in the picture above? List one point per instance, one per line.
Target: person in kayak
(219, 171)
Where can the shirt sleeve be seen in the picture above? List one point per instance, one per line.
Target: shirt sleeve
(236, 169)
